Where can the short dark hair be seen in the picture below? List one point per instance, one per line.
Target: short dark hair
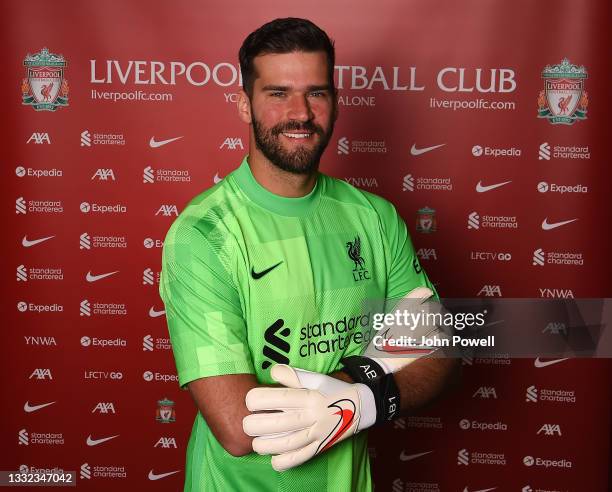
(284, 36)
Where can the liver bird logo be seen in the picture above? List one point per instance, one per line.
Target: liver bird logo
(564, 103)
(45, 91)
(354, 252)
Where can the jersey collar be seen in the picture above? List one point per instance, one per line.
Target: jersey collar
(281, 205)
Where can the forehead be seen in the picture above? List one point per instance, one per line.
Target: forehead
(291, 69)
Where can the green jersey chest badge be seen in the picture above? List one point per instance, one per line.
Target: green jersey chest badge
(354, 253)
(44, 88)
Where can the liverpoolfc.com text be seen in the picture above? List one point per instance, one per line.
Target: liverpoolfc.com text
(456, 104)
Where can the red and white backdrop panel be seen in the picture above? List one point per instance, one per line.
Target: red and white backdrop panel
(483, 122)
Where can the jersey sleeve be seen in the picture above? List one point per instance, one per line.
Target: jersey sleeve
(405, 271)
(203, 309)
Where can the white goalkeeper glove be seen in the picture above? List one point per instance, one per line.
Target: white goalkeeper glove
(316, 412)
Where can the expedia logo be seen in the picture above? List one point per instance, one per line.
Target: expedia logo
(275, 342)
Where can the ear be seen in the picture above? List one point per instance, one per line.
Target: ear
(244, 107)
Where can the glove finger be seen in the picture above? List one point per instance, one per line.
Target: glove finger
(259, 424)
(276, 398)
(289, 442)
(422, 293)
(285, 375)
(292, 459)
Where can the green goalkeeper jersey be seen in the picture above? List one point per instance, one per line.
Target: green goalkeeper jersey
(251, 279)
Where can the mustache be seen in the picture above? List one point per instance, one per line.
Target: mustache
(307, 126)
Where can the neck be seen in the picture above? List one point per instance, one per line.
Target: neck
(276, 180)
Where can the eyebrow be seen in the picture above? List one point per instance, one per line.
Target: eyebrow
(310, 88)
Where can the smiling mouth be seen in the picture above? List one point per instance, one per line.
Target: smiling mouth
(297, 135)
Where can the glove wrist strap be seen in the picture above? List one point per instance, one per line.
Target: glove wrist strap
(384, 388)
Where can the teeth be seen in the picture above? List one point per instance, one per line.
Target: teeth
(297, 135)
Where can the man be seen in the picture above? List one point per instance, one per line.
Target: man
(265, 274)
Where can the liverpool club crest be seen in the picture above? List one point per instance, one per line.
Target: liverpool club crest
(165, 411)
(563, 100)
(426, 220)
(45, 88)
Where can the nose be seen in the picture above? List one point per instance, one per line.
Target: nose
(299, 108)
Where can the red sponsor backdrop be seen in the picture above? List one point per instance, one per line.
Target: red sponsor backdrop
(463, 114)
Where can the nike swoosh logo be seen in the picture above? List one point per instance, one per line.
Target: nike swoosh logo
(32, 408)
(547, 227)
(27, 244)
(95, 442)
(94, 278)
(154, 476)
(258, 275)
(156, 314)
(415, 151)
(408, 457)
(481, 490)
(154, 144)
(480, 188)
(538, 363)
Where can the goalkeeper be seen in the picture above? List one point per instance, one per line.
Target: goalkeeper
(264, 278)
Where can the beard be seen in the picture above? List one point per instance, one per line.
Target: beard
(303, 160)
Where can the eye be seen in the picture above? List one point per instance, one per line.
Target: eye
(277, 94)
(318, 94)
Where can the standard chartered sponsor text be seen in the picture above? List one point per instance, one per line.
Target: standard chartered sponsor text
(480, 103)
(344, 330)
(109, 242)
(130, 96)
(108, 308)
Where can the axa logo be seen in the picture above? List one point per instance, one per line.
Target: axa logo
(490, 291)
(39, 138)
(550, 430)
(232, 143)
(276, 348)
(167, 210)
(427, 253)
(166, 443)
(353, 249)
(41, 373)
(555, 328)
(104, 407)
(485, 392)
(104, 175)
